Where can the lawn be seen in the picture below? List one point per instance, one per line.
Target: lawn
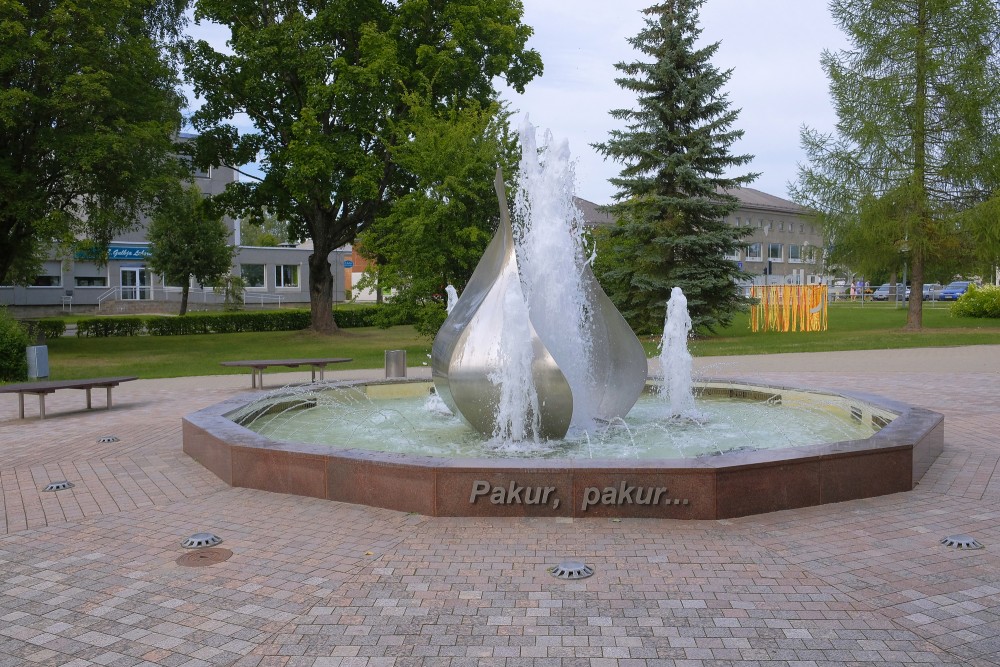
(852, 326)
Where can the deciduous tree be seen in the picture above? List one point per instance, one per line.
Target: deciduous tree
(435, 234)
(918, 134)
(323, 84)
(673, 194)
(89, 104)
(188, 239)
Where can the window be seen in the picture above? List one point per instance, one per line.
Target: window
(253, 274)
(47, 281)
(802, 228)
(781, 227)
(774, 251)
(753, 252)
(794, 253)
(286, 275)
(91, 281)
(733, 255)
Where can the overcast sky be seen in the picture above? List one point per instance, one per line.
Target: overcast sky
(772, 46)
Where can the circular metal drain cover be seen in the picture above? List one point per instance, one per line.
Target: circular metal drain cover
(58, 486)
(571, 569)
(204, 557)
(107, 438)
(201, 540)
(962, 542)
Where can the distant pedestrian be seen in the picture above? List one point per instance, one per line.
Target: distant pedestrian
(854, 290)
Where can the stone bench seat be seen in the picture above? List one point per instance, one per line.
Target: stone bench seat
(45, 387)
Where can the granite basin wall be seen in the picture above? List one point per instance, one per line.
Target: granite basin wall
(731, 485)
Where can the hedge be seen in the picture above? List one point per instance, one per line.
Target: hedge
(206, 323)
(47, 328)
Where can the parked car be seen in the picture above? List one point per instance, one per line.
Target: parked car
(882, 293)
(931, 291)
(954, 290)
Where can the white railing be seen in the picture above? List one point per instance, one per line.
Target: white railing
(111, 293)
(261, 297)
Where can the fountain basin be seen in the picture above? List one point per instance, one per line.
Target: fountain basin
(730, 485)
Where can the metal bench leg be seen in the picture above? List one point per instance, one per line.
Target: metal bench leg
(261, 371)
(20, 405)
(109, 399)
(321, 373)
(253, 378)
(41, 406)
(88, 398)
(312, 370)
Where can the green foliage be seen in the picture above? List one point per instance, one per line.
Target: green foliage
(671, 201)
(188, 239)
(434, 235)
(917, 140)
(102, 327)
(978, 302)
(263, 230)
(13, 341)
(323, 84)
(227, 322)
(232, 289)
(89, 104)
(47, 329)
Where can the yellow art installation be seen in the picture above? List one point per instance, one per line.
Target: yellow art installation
(788, 308)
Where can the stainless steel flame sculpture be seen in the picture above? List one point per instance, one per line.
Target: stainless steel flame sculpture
(464, 371)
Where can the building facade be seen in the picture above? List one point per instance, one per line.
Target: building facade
(274, 276)
(784, 243)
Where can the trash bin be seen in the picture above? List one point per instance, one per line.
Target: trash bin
(38, 361)
(395, 363)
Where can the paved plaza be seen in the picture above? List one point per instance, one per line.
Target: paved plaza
(89, 575)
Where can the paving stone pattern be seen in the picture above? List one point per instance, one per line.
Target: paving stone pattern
(88, 576)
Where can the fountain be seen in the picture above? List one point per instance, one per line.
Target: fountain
(532, 351)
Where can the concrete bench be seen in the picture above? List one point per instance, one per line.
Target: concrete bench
(257, 366)
(45, 387)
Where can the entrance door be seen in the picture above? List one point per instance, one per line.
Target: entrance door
(135, 284)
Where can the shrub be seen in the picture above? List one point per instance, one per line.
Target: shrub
(13, 341)
(978, 302)
(47, 328)
(103, 327)
(227, 322)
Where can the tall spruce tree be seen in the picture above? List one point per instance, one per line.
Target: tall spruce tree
(917, 142)
(672, 196)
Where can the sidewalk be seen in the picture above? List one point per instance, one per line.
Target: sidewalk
(88, 576)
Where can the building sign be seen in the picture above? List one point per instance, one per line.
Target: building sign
(119, 253)
(348, 263)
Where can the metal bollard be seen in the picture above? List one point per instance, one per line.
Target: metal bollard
(395, 363)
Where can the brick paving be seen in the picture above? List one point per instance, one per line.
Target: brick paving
(88, 576)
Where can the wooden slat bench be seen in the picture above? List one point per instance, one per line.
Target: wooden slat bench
(44, 387)
(257, 366)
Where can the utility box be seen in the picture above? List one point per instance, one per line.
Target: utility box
(395, 363)
(38, 361)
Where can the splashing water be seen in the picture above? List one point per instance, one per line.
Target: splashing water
(550, 249)
(675, 360)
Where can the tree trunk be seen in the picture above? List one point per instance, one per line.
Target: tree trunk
(321, 291)
(184, 295)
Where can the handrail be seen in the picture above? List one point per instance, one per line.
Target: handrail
(105, 296)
